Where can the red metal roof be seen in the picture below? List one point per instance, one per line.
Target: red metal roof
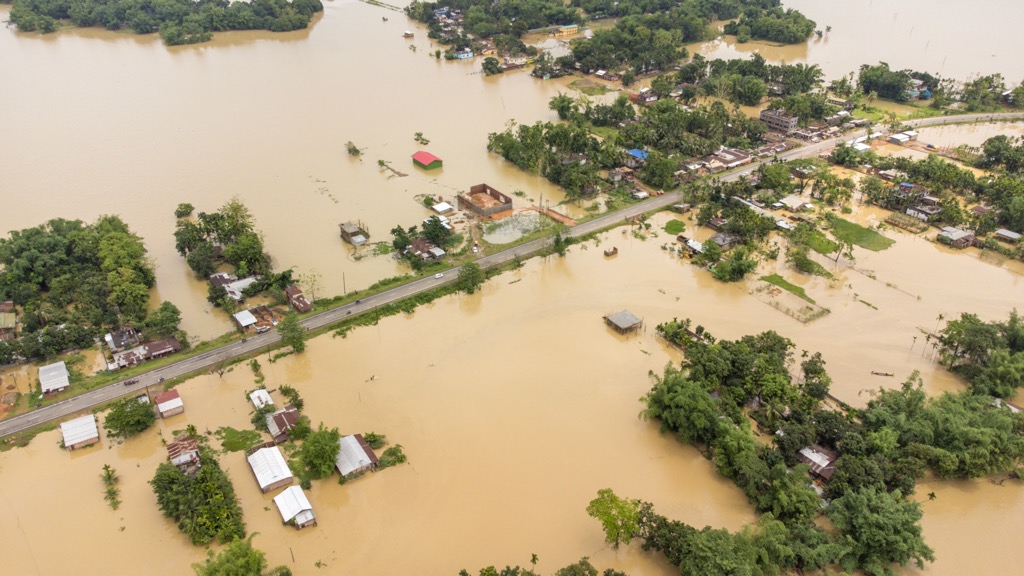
(424, 157)
(167, 396)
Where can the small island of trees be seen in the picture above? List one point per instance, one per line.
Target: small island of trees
(178, 21)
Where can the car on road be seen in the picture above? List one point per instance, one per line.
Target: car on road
(438, 275)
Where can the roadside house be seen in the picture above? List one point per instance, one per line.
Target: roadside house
(636, 158)
(53, 378)
(295, 508)
(80, 432)
(485, 201)
(297, 299)
(126, 337)
(244, 320)
(169, 404)
(269, 467)
(355, 455)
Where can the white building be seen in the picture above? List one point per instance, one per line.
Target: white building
(270, 468)
(355, 455)
(295, 508)
(261, 398)
(80, 432)
(53, 377)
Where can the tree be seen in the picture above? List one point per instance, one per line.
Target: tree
(319, 452)
(436, 232)
(184, 210)
(238, 558)
(292, 333)
(618, 516)
(163, 322)
(202, 260)
(491, 66)
(471, 277)
(878, 529)
(129, 417)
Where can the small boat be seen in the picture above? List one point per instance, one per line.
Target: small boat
(407, 34)
(876, 373)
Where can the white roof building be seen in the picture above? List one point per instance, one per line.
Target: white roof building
(261, 398)
(442, 207)
(354, 455)
(169, 403)
(80, 431)
(270, 468)
(235, 288)
(295, 507)
(53, 377)
(245, 319)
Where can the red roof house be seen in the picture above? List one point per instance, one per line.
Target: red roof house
(426, 160)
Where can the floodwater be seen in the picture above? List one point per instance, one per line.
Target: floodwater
(936, 36)
(970, 134)
(122, 124)
(515, 405)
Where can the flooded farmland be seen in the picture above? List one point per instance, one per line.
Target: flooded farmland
(515, 405)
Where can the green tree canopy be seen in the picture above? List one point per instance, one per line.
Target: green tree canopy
(319, 451)
(129, 417)
(292, 332)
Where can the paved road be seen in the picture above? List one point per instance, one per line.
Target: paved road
(211, 359)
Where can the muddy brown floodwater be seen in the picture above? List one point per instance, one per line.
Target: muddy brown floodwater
(947, 37)
(514, 405)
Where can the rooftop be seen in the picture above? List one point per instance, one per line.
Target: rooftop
(425, 158)
(53, 377)
(79, 430)
(269, 466)
(261, 398)
(354, 454)
(168, 401)
(293, 504)
(624, 320)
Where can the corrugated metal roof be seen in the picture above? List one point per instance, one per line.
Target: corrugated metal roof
(292, 503)
(352, 455)
(79, 429)
(53, 377)
(269, 466)
(624, 319)
(424, 157)
(168, 401)
(245, 318)
(261, 398)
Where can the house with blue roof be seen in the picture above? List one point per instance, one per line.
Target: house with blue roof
(635, 158)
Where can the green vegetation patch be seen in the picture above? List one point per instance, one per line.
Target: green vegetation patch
(781, 282)
(862, 236)
(232, 440)
(674, 226)
(817, 241)
(590, 88)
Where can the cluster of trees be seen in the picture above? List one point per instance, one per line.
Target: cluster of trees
(775, 25)
(881, 81)
(581, 568)
(178, 21)
(128, 417)
(204, 505)
(989, 354)
(672, 129)
(748, 81)
(238, 558)
(72, 280)
(1002, 152)
(882, 451)
(556, 150)
(228, 233)
(486, 19)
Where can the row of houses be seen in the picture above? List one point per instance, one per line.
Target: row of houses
(82, 431)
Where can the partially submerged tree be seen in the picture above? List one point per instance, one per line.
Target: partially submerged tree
(129, 417)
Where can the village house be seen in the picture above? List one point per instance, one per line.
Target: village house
(623, 322)
(269, 467)
(280, 423)
(297, 299)
(443, 208)
(53, 378)
(927, 210)
(295, 508)
(80, 432)
(425, 249)
(355, 455)
(623, 174)
(636, 158)
(169, 404)
(183, 453)
(260, 398)
(259, 319)
(843, 103)
(716, 223)
(796, 203)
(779, 121)
(352, 233)
(1007, 236)
(724, 240)
(141, 353)
(231, 285)
(981, 210)
(955, 237)
(126, 337)
(425, 159)
(485, 202)
(8, 320)
(820, 459)
(731, 158)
